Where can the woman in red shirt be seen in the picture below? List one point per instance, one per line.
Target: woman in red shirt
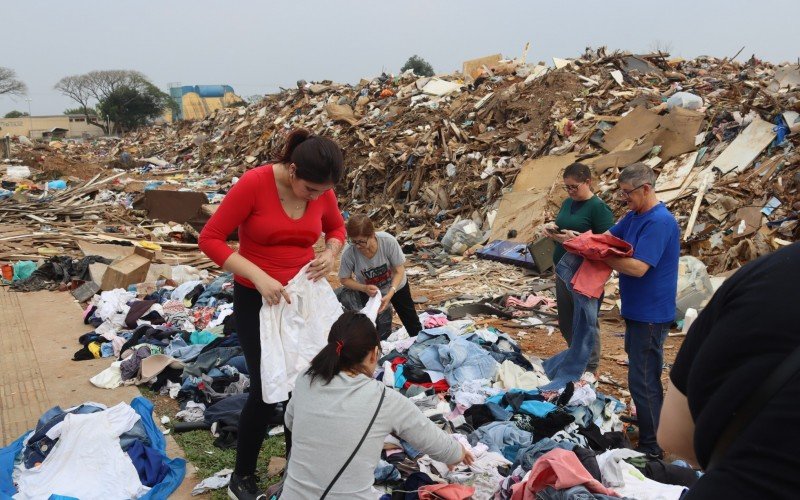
(280, 209)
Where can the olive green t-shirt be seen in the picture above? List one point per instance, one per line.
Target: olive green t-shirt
(592, 214)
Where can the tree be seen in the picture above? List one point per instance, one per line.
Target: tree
(9, 84)
(130, 107)
(96, 86)
(661, 47)
(80, 111)
(16, 114)
(420, 66)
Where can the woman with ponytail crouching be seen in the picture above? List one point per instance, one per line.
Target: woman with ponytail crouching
(339, 417)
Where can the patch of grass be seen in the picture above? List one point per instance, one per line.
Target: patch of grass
(200, 451)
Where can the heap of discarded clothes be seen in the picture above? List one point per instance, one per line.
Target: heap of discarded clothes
(91, 452)
(475, 383)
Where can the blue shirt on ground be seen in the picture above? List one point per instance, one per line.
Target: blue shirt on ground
(655, 238)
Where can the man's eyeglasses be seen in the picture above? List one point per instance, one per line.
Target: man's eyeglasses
(571, 187)
(359, 242)
(627, 194)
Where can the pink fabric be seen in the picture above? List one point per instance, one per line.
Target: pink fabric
(560, 469)
(530, 302)
(591, 277)
(435, 320)
(446, 492)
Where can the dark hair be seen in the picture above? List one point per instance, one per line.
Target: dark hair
(359, 225)
(578, 171)
(351, 339)
(318, 159)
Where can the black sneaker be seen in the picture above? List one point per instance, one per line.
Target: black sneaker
(245, 488)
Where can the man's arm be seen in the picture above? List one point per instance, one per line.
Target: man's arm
(676, 427)
(628, 265)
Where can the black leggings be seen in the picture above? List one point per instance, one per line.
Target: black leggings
(256, 415)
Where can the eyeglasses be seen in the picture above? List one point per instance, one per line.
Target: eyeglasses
(571, 187)
(627, 194)
(358, 243)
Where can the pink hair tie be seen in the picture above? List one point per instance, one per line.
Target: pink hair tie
(339, 345)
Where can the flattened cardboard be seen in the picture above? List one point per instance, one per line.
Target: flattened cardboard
(107, 250)
(171, 206)
(539, 173)
(472, 68)
(746, 147)
(638, 123)
(677, 133)
(675, 172)
(619, 159)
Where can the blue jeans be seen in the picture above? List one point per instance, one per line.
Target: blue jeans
(569, 365)
(644, 343)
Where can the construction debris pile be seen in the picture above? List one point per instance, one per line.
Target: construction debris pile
(488, 144)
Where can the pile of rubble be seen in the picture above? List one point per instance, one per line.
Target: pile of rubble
(488, 144)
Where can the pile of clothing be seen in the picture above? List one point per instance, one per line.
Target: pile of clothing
(120, 446)
(475, 384)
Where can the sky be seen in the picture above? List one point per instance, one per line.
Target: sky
(259, 46)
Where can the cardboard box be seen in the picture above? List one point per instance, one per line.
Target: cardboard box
(129, 271)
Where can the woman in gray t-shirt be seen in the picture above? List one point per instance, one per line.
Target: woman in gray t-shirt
(331, 408)
(372, 262)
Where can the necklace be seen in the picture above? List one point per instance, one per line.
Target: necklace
(295, 207)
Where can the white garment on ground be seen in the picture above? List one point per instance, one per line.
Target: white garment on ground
(487, 335)
(473, 392)
(110, 378)
(183, 289)
(513, 376)
(118, 416)
(223, 311)
(194, 412)
(183, 273)
(112, 306)
(584, 395)
(292, 334)
(388, 374)
(400, 345)
(486, 462)
(628, 481)
(87, 462)
(215, 482)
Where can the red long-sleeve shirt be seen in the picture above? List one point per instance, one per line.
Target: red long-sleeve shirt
(268, 237)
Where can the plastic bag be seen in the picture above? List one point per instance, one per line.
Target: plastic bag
(694, 286)
(685, 100)
(462, 236)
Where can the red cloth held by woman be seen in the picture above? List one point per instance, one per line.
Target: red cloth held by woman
(591, 277)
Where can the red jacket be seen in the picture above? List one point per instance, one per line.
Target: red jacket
(591, 277)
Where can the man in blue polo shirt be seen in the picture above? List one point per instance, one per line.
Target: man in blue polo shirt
(648, 284)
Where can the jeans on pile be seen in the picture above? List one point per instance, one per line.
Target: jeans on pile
(570, 364)
(644, 344)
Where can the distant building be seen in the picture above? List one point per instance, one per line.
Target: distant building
(53, 126)
(195, 102)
